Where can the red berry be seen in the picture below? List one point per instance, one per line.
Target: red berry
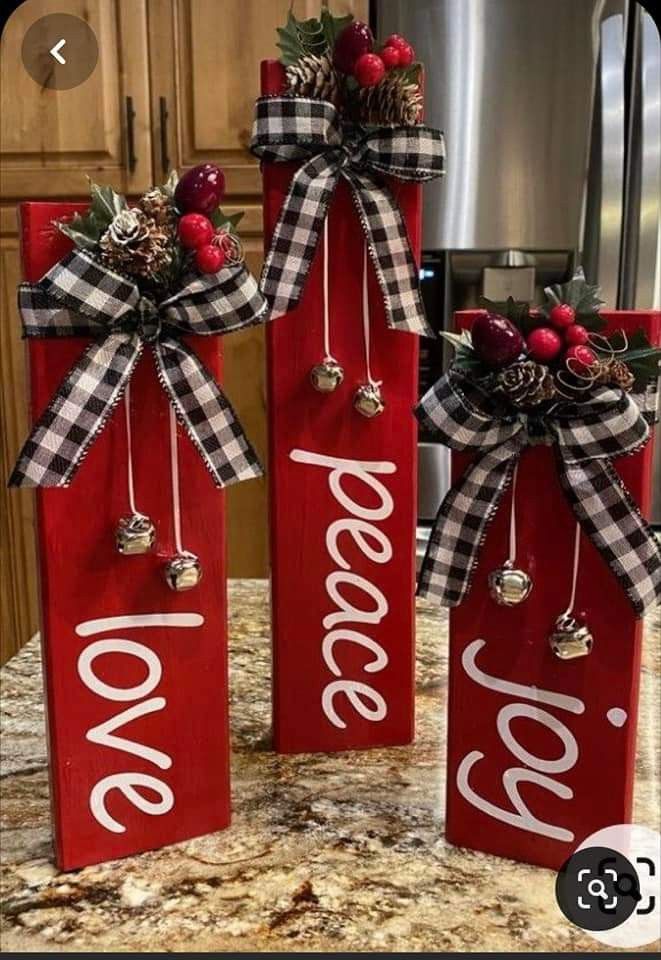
(390, 57)
(562, 315)
(576, 335)
(544, 344)
(496, 340)
(580, 359)
(369, 70)
(195, 230)
(406, 55)
(200, 190)
(209, 258)
(352, 42)
(397, 41)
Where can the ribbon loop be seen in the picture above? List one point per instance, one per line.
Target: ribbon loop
(81, 297)
(293, 128)
(587, 436)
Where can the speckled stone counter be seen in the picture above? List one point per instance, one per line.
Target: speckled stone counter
(326, 853)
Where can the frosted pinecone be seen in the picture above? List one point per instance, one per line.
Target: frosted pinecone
(526, 383)
(159, 207)
(315, 77)
(395, 101)
(134, 243)
(617, 373)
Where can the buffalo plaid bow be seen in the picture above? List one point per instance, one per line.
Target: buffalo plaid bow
(586, 435)
(295, 128)
(81, 297)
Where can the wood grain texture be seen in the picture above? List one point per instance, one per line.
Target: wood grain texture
(52, 139)
(18, 580)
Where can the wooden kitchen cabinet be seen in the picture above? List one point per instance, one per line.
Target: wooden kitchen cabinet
(51, 140)
(191, 68)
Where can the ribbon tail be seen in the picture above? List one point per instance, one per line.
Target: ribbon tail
(390, 251)
(78, 413)
(206, 414)
(611, 519)
(461, 525)
(296, 234)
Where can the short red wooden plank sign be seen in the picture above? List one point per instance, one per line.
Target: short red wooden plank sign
(135, 673)
(342, 498)
(541, 751)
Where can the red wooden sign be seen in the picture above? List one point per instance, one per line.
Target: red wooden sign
(343, 500)
(135, 674)
(541, 751)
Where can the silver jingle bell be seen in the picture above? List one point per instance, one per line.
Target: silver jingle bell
(135, 535)
(570, 639)
(368, 400)
(327, 375)
(183, 572)
(508, 586)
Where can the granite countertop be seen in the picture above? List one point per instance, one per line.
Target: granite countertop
(326, 852)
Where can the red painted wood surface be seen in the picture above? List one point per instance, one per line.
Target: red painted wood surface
(303, 507)
(596, 786)
(84, 579)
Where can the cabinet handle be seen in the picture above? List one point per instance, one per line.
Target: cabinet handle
(165, 157)
(130, 134)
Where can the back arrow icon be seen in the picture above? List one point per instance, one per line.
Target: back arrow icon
(55, 51)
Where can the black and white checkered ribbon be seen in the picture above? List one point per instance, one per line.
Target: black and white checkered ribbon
(298, 128)
(586, 435)
(81, 297)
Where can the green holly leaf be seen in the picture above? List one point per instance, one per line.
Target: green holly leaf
(517, 311)
(85, 230)
(578, 293)
(333, 26)
(231, 221)
(299, 38)
(106, 204)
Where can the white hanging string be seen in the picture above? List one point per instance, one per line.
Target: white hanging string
(574, 580)
(129, 445)
(328, 356)
(512, 554)
(174, 474)
(366, 324)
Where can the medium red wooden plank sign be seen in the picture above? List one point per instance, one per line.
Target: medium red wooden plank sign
(541, 751)
(135, 673)
(342, 498)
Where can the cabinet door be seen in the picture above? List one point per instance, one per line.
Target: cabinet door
(51, 139)
(18, 583)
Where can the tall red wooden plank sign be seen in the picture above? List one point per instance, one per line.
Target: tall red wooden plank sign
(135, 673)
(541, 751)
(343, 499)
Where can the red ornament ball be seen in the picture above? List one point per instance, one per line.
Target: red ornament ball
(406, 55)
(544, 344)
(369, 70)
(195, 230)
(580, 359)
(209, 258)
(576, 335)
(562, 316)
(390, 57)
(200, 190)
(397, 41)
(352, 42)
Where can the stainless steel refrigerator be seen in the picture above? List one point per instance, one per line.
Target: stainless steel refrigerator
(552, 116)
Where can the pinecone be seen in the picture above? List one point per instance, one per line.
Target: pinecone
(313, 76)
(526, 383)
(617, 373)
(134, 243)
(159, 207)
(395, 101)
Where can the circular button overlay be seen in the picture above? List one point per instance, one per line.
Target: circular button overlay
(59, 51)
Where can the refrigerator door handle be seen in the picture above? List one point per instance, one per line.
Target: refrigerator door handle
(612, 98)
(647, 267)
